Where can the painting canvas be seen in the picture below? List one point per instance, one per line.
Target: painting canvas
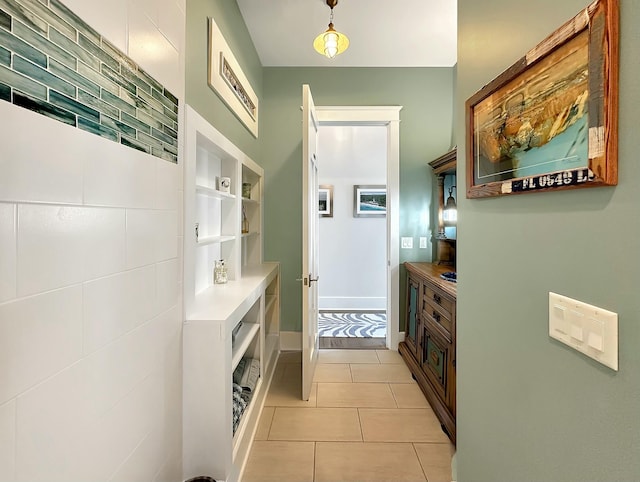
(548, 121)
(369, 201)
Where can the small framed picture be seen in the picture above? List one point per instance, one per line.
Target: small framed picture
(369, 201)
(325, 201)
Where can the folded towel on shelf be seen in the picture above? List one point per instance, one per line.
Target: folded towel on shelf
(239, 371)
(239, 406)
(251, 374)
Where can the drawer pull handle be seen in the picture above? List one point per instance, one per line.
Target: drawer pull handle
(437, 299)
(436, 316)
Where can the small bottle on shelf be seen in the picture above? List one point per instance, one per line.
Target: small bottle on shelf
(245, 221)
(220, 272)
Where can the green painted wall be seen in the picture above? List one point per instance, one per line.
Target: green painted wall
(426, 95)
(531, 409)
(198, 93)
(425, 133)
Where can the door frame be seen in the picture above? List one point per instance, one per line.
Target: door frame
(388, 116)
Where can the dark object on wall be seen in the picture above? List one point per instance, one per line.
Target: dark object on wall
(550, 121)
(201, 478)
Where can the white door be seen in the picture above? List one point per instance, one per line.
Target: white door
(310, 339)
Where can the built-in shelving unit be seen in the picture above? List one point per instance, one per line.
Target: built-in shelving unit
(224, 323)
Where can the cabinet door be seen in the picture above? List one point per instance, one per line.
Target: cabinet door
(413, 312)
(435, 357)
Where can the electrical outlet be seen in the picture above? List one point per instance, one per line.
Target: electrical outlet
(406, 242)
(423, 242)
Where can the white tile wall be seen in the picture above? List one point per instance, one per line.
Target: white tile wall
(92, 415)
(141, 237)
(51, 170)
(90, 293)
(169, 184)
(117, 304)
(39, 336)
(7, 440)
(167, 25)
(108, 18)
(168, 279)
(8, 250)
(151, 49)
(114, 179)
(63, 245)
(167, 239)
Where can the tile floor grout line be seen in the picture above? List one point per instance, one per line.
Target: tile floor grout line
(315, 457)
(415, 451)
(360, 425)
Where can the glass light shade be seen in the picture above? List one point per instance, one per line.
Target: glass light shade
(331, 43)
(450, 212)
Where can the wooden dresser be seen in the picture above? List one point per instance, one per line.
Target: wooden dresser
(429, 348)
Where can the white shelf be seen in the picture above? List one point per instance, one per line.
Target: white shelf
(244, 337)
(214, 239)
(270, 302)
(250, 201)
(271, 348)
(214, 193)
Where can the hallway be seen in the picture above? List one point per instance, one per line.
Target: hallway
(366, 420)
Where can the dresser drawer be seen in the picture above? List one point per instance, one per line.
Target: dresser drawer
(436, 298)
(437, 315)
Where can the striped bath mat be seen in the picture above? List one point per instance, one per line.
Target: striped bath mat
(352, 325)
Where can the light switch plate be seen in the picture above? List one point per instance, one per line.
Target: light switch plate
(406, 242)
(585, 328)
(423, 242)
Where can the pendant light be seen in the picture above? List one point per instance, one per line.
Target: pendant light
(450, 213)
(331, 43)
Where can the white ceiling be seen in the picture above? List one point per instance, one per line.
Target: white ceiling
(382, 33)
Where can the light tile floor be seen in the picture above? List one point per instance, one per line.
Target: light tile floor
(366, 421)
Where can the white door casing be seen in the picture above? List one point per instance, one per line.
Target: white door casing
(388, 116)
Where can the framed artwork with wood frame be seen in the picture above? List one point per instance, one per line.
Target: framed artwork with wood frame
(550, 121)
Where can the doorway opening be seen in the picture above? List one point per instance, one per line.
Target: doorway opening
(352, 250)
(358, 148)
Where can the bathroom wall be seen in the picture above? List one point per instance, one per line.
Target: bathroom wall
(352, 251)
(90, 269)
(425, 133)
(530, 408)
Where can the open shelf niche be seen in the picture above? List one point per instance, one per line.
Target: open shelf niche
(224, 323)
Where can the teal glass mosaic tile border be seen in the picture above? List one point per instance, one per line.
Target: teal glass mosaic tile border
(53, 63)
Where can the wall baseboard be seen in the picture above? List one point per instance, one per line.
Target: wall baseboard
(348, 303)
(290, 341)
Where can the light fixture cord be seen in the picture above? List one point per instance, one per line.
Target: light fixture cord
(331, 16)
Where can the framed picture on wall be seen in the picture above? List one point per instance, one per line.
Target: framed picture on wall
(369, 201)
(325, 201)
(549, 121)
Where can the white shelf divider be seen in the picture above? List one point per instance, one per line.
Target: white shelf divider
(245, 336)
(270, 301)
(214, 239)
(214, 193)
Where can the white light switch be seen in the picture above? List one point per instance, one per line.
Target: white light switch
(585, 328)
(423, 242)
(406, 242)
